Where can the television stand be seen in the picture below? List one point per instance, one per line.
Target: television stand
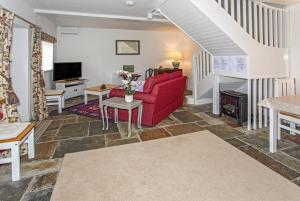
(72, 88)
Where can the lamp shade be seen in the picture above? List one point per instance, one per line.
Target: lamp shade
(176, 56)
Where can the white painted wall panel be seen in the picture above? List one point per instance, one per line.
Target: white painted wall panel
(20, 70)
(95, 48)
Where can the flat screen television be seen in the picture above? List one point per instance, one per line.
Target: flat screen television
(67, 71)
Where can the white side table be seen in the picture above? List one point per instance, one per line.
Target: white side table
(97, 91)
(119, 103)
(12, 136)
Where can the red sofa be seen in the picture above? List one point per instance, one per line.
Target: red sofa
(161, 96)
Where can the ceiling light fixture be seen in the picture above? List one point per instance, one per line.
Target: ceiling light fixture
(130, 3)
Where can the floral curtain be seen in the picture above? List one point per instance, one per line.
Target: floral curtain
(9, 100)
(39, 98)
(48, 38)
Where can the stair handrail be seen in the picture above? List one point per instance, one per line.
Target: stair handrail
(264, 23)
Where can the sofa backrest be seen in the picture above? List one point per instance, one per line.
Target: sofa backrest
(152, 81)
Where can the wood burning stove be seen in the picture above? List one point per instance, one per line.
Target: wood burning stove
(234, 104)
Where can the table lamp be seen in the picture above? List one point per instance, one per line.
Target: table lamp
(176, 57)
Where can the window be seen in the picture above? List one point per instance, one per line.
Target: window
(47, 61)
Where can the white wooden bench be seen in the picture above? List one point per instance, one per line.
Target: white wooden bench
(287, 121)
(12, 136)
(56, 97)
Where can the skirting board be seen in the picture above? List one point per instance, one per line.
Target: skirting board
(204, 101)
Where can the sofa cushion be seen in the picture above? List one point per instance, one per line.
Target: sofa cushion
(175, 74)
(152, 81)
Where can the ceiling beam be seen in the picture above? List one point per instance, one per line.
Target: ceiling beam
(96, 15)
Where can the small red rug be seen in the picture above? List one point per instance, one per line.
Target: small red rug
(91, 109)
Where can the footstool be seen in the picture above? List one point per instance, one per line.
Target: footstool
(12, 136)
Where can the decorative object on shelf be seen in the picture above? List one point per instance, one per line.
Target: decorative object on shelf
(128, 68)
(103, 86)
(127, 47)
(129, 85)
(176, 57)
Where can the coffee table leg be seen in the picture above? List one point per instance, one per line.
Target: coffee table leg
(140, 116)
(129, 122)
(85, 98)
(101, 110)
(116, 115)
(106, 117)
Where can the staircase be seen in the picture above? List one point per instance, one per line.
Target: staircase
(234, 28)
(231, 28)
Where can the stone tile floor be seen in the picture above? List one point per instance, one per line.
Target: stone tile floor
(69, 133)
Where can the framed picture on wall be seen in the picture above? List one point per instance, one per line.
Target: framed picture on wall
(127, 47)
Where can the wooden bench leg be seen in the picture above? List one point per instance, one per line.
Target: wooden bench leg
(59, 105)
(15, 162)
(30, 142)
(292, 126)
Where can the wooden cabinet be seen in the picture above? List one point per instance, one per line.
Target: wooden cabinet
(158, 71)
(72, 89)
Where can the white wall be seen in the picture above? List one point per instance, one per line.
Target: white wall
(96, 49)
(23, 9)
(20, 70)
(295, 44)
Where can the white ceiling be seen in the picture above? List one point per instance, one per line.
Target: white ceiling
(106, 23)
(114, 7)
(102, 13)
(108, 13)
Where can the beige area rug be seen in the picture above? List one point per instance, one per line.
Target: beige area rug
(192, 167)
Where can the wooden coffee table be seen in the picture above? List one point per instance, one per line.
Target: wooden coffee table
(97, 91)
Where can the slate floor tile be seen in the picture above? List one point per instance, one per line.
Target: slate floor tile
(224, 131)
(167, 122)
(113, 136)
(271, 163)
(86, 119)
(43, 151)
(122, 142)
(79, 144)
(55, 124)
(13, 191)
(96, 128)
(261, 141)
(203, 123)
(48, 136)
(123, 129)
(186, 117)
(297, 182)
(294, 152)
(184, 128)
(41, 182)
(293, 138)
(235, 142)
(155, 133)
(73, 130)
(289, 161)
(198, 109)
(42, 195)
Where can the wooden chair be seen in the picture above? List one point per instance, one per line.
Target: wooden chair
(12, 136)
(149, 73)
(287, 121)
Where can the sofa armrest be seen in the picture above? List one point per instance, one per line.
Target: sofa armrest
(146, 98)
